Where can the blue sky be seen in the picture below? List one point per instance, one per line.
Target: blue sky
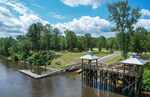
(80, 16)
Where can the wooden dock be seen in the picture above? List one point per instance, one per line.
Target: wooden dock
(52, 72)
(29, 73)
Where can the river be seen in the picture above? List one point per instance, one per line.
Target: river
(15, 84)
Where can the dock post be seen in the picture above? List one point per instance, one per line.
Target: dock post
(140, 86)
(82, 70)
(31, 66)
(96, 78)
(115, 82)
(38, 68)
(90, 78)
(133, 86)
(100, 79)
(24, 65)
(123, 85)
(45, 66)
(137, 87)
(109, 81)
(130, 87)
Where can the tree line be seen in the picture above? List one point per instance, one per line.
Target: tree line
(44, 37)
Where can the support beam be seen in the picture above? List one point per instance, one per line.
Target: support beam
(129, 85)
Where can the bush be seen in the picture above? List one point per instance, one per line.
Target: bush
(14, 57)
(36, 58)
(48, 62)
(49, 57)
(44, 53)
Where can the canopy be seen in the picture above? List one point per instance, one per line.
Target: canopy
(89, 56)
(134, 60)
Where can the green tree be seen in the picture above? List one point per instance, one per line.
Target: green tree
(56, 34)
(107, 45)
(71, 39)
(46, 35)
(87, 41)
(124, 18)
(99, 44)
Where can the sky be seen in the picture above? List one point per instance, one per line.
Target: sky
(80, 16)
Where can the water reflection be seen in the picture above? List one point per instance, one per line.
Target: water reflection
(15, 84)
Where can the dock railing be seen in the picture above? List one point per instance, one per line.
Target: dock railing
(116, 68)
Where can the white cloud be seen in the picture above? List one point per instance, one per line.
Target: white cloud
(95, 3)
(86, 24)
(38, 6)
(12, 26)
(143, 23)
(53, 14)
(19, 7)
(145, 12)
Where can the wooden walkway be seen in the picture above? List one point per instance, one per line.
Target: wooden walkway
(51, 72)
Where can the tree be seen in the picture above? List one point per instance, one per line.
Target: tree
(99, 44)
(80, 42)
(111, 42)
(124, 18)
(143, 37)
(87, 41)
(107, 46)
(33, 36)
(139, 40)
(56, 34)
(103, 39)
(46, 35)
(71, 39)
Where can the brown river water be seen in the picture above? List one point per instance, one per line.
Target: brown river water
(15, 84)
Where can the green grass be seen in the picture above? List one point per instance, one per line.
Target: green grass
(147, 57)
(114, 59)
(69, 58)
(54, 66)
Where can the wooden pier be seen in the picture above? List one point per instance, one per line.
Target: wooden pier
(52, 72)
(110, 76)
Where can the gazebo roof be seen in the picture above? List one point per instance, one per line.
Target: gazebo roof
(89, 56)
(134, 60)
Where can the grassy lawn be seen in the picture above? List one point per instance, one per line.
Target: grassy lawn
(114, 59)
(67, 58)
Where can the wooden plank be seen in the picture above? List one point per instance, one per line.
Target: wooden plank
(30, 74)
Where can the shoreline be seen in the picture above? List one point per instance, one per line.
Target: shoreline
(48, 68)
(10, 59)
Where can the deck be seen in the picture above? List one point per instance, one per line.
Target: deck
(116, 68)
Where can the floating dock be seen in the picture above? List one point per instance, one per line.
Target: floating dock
(33, 75)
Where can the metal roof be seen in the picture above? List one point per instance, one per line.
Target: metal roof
(89, 56)
(134, 60)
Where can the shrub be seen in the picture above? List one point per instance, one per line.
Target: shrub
(14, 57)
(48, 62)
(49, 57)
(44, 53)
(36, 58)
